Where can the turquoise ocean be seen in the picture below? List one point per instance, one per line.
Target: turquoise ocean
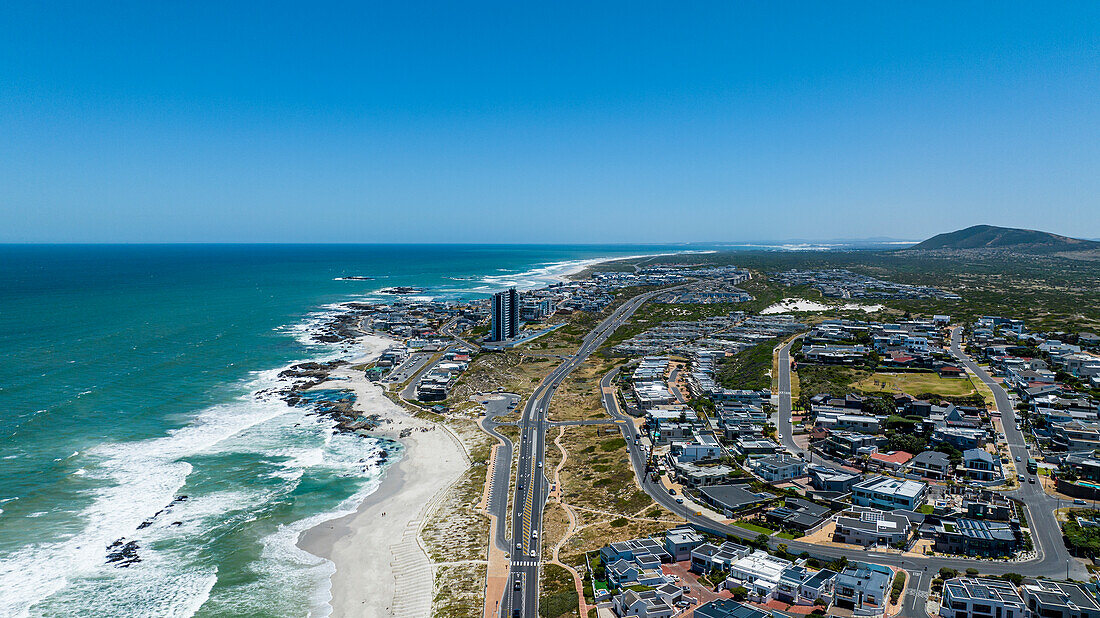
(131, 413)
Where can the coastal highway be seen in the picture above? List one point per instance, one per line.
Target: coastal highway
(1052, 560)
(522, 595)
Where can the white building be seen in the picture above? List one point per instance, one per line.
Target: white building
(759, 573)
(888, 493)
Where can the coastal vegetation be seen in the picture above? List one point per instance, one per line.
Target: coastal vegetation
(749, 369)
(558, 597)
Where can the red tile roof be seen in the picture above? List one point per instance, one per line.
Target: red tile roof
(895, 457)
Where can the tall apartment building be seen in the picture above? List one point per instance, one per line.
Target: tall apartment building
(505, 322)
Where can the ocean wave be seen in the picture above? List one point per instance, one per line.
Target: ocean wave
(137, 500)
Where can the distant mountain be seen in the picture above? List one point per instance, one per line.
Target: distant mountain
(1006, 239)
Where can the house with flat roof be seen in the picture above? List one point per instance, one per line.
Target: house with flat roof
(888, 493)
(780, 467)
(798, 514)
(862, 587)
(710, 557)
(728, 608)
(759, 573)
(965, 597)
(680, 541)
(971, 537)
(730, 499)
(871, 527)
(634, 548)
(1050, 599)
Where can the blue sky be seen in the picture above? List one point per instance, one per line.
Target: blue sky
(547, 122)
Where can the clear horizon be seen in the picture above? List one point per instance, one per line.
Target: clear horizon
(564, 124)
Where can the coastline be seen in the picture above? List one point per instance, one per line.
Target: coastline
(363, 545)
(369, 549)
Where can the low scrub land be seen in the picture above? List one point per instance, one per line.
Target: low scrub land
(558, 596)
(749, 369)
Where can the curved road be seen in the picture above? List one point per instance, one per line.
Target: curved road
(1053, 559)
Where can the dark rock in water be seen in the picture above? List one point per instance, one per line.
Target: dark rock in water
(176, 523)
(123, 553)
(181, 498)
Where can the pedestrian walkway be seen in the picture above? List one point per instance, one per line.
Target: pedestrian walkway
(412, 571)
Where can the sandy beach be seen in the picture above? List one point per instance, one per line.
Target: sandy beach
(363, 545)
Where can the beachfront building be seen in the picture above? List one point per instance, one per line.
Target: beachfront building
(965, 597)
(505, 315)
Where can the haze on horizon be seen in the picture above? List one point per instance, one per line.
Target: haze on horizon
(569, 122)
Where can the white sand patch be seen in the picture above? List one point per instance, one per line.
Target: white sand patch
(792, 305)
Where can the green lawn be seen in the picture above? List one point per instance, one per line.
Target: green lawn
(916, 383)
(754, 528)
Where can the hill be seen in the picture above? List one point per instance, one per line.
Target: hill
(1006, 239)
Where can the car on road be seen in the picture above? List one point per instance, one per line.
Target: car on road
(679, 500)
(1078, 501)
(1031, 479)
(1020, 477)
(519, 546)
(540, 464)
(1017, 458)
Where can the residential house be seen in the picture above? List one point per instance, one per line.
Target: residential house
(863, 587)
(645, 604)
(759, 573)
(888, 493)
(980, 465)
(976, 538)
(710, 557)
(728, 608)
(828, 479)
(931, 464)
(1050, 599)
(871, 527)
(780, 468)
(680, 541)
(981, 598)
(798, 514)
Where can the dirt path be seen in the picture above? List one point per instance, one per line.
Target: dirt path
(582, 606)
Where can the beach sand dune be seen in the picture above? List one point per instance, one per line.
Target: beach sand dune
(377, 546)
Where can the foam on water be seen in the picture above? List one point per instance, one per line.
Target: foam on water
(138, 482)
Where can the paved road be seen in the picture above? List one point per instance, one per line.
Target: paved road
(448, 329)
(406, 369)
(522, 596)
(409, 392)
(496, 407)
(785, 429)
